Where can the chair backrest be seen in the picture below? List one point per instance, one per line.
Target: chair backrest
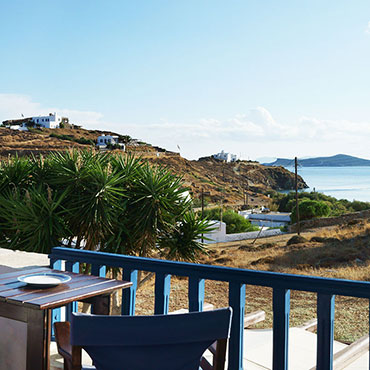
(160, 342)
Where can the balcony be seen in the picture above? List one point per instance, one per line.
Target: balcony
(237, 279)
(329, 354)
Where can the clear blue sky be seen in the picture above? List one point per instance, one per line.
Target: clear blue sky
(257, 78)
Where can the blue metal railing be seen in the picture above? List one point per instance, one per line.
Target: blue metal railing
(237, 279)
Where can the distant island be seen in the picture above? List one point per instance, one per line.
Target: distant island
(339, 160)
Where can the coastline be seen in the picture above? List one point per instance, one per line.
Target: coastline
(351, 183)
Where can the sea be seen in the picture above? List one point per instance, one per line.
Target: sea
(351, 183)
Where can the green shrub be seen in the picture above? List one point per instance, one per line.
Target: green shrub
(286, 202)
(197, 202)
(113, 146)
(235, 223)
(311, 209)
(80, 140)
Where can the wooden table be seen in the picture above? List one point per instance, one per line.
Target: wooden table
(25, 314)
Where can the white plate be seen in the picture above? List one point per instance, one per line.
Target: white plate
(44, 280)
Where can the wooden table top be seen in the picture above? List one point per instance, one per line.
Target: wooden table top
(78, 288)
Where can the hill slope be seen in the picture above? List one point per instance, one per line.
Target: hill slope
(218, 180)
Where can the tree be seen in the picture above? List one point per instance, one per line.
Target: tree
(96, 201)
(309, 209)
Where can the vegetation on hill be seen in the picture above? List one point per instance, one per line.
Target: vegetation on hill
(235, 223)
(310, 209)
(229, 182)
(96, 201)
(313, 204)
(80, 140)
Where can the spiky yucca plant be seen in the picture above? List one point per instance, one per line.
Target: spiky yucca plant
(98, 202)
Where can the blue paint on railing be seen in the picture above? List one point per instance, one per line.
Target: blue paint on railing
(325, 331)
(71, 307)
(56, 313)
(281, 309)
(196, 294)
(162, 293)
(237, 278)
(129, 294)
(237, 302)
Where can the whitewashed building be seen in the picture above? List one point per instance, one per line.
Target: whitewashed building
(53, 120)
(104, 140)
(228, 157)
(50, 121)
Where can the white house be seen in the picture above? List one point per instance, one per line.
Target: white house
(228, 157)
(50, 121)
(104, 140)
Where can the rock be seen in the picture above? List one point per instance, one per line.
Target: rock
(355, 221)
(321, 239)
(223, 260)
(263, 260)
(296, 239)
(254, 248)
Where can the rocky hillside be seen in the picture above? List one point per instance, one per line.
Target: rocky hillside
(229, 182)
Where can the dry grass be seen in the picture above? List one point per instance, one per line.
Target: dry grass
(343, 253)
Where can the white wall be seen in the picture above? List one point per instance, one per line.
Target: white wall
(105, 139)
(219, 234)
(228, 157)
(50, 121)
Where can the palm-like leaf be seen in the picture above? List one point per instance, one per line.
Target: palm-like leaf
(15, 174)
(102, 202)
(156, 202)
(184, 240)
(33, 221)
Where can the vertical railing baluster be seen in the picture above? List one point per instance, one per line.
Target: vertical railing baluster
(237, 302)
(162, 293)
(101, 271)
(56, 314)
(196, 294)
(281, 308)
(98, 270)
(72, 307)
(325, 331)
(129, 294)
(55, 264)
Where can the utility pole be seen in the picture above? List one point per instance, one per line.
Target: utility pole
(222, 191)
(202, 198)
(247, 193)
(296, 194)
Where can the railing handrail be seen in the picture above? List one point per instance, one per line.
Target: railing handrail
(360, 289)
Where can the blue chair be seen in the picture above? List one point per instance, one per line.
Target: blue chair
(160, 342)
